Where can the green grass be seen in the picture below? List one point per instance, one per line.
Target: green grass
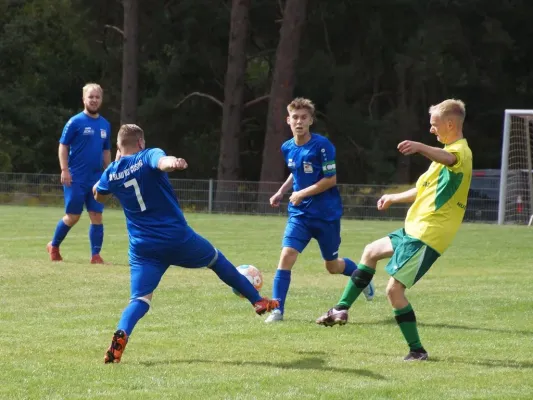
(199, 341)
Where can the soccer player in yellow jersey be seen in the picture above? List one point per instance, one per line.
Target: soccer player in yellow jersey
(439, 202)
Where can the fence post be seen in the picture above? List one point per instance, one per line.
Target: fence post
(210, 201)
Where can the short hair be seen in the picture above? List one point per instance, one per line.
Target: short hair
(90, 86)
(301, 103)
(129, 134)
(449, 107)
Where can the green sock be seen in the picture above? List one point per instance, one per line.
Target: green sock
(359, 280)
(406, 319)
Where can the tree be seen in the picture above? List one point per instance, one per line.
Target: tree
(130, 63)
(281, 92)
(283, 82)
(228, 159)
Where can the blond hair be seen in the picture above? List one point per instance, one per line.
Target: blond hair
(129, 134)
(91, 86)
(449, 107)
(301, 103)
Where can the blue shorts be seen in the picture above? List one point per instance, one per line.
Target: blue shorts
(147, 270)
(300, 230)
(78, 194)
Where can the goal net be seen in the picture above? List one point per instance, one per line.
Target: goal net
(516, 175)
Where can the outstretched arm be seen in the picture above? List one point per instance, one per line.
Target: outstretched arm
(404, 197)
(408, 147)
(171, 163)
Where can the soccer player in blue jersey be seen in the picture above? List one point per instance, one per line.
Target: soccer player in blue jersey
(84, 151)
(315, 206)
(158, 232)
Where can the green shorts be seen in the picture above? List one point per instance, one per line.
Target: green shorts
(412, 258)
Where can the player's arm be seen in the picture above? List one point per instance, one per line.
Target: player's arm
(107, 158)
(441, 156)
(98, 196)
(275, 200)
(63, 156)
(62, 153)
(170, 163)
(321, 186)
(404, 197)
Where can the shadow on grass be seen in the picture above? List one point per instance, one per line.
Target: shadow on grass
(306, 363)
(391, 321)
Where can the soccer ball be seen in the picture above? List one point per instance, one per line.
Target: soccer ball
(252, 274)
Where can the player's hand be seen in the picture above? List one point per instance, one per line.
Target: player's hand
(179, 164)
(66, 178)
(276, 200)
(296, 198)
(385, 202)
(408, 147)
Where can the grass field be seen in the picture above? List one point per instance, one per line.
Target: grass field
(199, 341)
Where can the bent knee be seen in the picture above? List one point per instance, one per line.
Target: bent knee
(334, 266)
(394, 288)
(71, 219)
(96, 217)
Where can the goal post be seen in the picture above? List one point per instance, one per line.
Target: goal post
(515, 203)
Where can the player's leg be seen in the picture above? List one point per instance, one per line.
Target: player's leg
(73, 209)
(295, 239)
(96, 228)
(328, 236)
(198, 252)
(145, 277)
(412, 259)
(360, 279)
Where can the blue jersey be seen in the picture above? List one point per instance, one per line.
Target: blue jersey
(310, 163)
(154, 219)
(87, 137)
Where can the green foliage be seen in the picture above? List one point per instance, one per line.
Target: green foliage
(371, 74)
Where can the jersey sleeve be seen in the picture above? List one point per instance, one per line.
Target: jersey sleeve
(103, 184)
(153, 156)
(327, 155)
(459, 155)
(69, 132)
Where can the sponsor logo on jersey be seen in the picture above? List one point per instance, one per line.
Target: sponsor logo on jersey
(291, 163)
(88, 131)
(308, 167)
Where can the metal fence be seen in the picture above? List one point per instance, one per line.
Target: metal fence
(236, 197)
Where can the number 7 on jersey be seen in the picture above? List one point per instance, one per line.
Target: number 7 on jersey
(133, 182)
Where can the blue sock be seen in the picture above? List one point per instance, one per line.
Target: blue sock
(227, 273)
(349, 268)
(280, 287)
(132, 314)
(96, 237)
(60, 233)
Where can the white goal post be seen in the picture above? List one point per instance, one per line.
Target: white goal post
(516, 174)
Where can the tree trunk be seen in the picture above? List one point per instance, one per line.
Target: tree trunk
(281, 92)
(229, 157)
(130, 55)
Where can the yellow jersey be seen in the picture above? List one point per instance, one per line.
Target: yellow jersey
(442, 192)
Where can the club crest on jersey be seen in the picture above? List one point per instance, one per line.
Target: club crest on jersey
(103, 133)
(88, 131)
(308, 167)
